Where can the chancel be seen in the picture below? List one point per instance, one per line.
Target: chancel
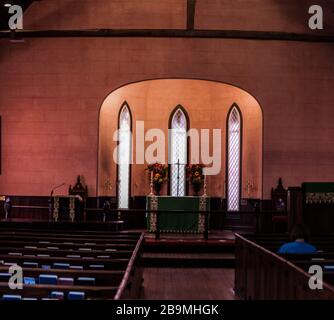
(170, 150)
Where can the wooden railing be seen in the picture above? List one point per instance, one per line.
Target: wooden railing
(130, 286)
(263, 275)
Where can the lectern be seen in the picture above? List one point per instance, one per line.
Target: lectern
(66, 208)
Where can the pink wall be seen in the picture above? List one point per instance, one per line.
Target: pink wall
(52, 89)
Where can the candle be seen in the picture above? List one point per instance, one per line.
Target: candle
(151, 182)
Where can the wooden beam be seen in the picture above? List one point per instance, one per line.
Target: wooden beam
(191, 6)
(171, 33)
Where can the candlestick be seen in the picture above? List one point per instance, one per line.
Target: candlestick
(151, 183)
(204, 194)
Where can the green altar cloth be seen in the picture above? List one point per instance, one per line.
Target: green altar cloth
(318, 192)
(183, 222)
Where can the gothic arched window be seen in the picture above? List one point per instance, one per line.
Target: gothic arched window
(124, 157)
(233, 159)
(178, 152)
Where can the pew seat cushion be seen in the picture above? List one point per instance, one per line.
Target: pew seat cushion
(86, 281)
(48, 279)
(96, 266)
(30, 264)
(10, 297)
(29, 280)
(4, 277)
(46, 266)
(76, 295)
(62, 281)
(57, 265)
(76, 267)
(57, 295)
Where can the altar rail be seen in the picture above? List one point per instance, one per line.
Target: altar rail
(41, 213)
(263, 275)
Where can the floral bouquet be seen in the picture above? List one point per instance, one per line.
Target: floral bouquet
(159, 175)
(196, 177)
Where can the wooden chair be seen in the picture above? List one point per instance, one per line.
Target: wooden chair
(82, 191)
(279, 198)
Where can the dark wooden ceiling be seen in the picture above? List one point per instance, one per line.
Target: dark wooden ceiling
(4, 15)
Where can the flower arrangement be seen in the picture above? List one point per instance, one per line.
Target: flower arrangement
(196, 176)
(158, 175)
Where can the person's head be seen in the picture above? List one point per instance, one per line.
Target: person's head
(299, 232)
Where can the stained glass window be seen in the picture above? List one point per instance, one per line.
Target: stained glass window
(233, 160)
(124, 156)
(178, 153)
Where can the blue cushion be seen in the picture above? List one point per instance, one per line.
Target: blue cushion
(30, 264)
(4, 277)
(76, 267)
(329, 268)
(11, 297)
(76, 295)
(46, 267)
(48, 279)
(86, 281)
(57, 295)
(61, 265)
(29, 280)
(96, 266)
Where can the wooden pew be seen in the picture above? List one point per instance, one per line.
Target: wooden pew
(119, 253)
(102, 277)
(67, 245)
(261, 274)
(43, 291)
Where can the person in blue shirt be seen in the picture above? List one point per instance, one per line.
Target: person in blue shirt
(299, 243)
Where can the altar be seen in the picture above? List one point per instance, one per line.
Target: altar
(190, 221)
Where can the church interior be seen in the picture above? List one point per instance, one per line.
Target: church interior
(166, 150)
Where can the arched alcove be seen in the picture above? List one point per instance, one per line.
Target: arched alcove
(207, 103)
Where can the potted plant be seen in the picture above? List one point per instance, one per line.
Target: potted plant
(196, 177)
(158, 176)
